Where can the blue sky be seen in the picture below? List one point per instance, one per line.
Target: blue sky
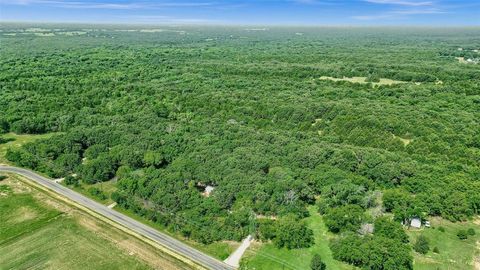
(253, 12)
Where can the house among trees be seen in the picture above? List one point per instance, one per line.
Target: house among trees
(205, 189)
(208, 190)
(416, 223)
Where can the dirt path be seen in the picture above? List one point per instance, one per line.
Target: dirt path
(236, 256)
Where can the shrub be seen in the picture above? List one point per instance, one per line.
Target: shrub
(435, 250)
(471, 231)
(385, 227)
(442, 229)
(372, 252)
(3, 177)
(266, 230)
(71, 181)
(96, 192)
(293, 233)
(317, 263)
(422, 245)
(344, 218)
(462, 235)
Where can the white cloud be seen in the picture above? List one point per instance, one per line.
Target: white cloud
(414, 12)
(398, 13)
(403, 8)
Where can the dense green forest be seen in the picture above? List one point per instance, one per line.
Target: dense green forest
(166, 111)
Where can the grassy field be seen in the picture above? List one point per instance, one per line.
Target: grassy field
(454, 253)
(267, 256)
(42, 233)
(16, 141)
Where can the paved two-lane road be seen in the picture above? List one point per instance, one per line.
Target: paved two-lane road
(162, 239)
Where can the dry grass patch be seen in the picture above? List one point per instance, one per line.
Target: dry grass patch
(23, 214)
(362, 80)
(130, 245)
(403, 140)
(461, 60)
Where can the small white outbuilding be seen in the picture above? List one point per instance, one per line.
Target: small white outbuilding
(416, 223)
(209, 190)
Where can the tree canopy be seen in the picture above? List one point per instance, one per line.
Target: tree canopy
(168, 113)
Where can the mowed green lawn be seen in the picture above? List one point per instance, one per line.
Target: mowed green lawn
(36, 236)
(270, 257)
(454, 253)
(16, 141)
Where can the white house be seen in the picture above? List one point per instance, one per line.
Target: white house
(209, 190)
(416, 223)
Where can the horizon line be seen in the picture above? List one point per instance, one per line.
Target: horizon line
(242, 24)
